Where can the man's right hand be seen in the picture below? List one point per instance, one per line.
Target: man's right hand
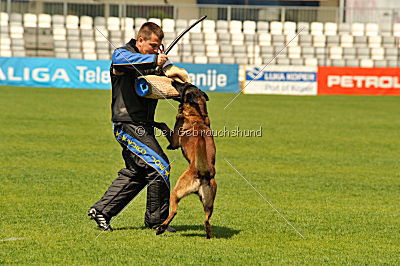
(161, 59)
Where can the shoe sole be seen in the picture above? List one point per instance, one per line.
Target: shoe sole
(92, 215)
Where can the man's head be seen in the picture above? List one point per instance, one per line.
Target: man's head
(149, 38)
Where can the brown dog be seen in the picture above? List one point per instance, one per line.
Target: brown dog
(193, 134)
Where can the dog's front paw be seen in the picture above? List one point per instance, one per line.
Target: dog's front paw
(170, 147)
(161, 229)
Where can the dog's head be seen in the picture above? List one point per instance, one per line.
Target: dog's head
(193, 95)
(190, 94)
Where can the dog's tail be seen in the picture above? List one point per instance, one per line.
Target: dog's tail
(201, 162)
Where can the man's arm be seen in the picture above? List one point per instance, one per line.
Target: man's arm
(126, 61)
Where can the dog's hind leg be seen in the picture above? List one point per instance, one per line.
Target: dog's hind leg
(207, 192)
(186, 184)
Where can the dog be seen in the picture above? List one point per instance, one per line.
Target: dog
(193, 134)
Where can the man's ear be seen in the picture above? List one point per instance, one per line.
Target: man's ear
(139, 42)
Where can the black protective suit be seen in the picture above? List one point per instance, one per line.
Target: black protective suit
(133, 118)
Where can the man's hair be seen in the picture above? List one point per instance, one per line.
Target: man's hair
(149, 28)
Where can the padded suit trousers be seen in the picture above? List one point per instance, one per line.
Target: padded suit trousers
(134, 177)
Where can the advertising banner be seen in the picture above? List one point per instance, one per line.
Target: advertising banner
(55, 73)
(358, 81)
(285, 80)
(88, 74)
(214, 77)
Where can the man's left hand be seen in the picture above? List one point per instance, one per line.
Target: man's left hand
(177, 73)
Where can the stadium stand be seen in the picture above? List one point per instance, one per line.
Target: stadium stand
(247, 42)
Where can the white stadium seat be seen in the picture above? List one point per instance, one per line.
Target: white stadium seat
(15, 19)
(86, 23)
(156, 21)
(72, 22)
(372, 29)
(139, 22)
(253, 51)
(292, 40)
(357, 29)
(16, 32)
(294, 52)
(196, 28)
(44, 21)
(5, 53)
(249, 27)
(210, 38)
(237, 38)
(396, 30)
(262, 27)
(346, 40)
(200, 60)
(222, 26)
(377, 53)
(180, 25)
(235, 26)
(317, 28)
(168, 25)
(5, 43)
(289, 28)
(113, 24)
(4, 19)
(336, 52)
(311, 61)
(30, 20)
(208, 26)
(90, 56)
(128, 35)
(303, 28)
(374, 41)
(59, 33)
(127, 24)
(319, 41)
(212, 50)
(330, 29)
(276, 28)
(88, 46)
(264, 39)
(366, 63)
(58, 21)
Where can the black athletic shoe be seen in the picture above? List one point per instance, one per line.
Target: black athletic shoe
(170, 229)
(101, 221)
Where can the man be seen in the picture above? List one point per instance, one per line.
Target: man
(133, 118)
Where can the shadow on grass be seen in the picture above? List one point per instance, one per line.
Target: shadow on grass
(218, 231)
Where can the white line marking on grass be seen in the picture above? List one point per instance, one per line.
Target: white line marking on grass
(276, 55)
(116, 217)
(12, 239)
(273, 207)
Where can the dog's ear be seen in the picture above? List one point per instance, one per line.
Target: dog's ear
(205, 95)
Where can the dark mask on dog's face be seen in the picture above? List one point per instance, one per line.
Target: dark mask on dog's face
(191, 95)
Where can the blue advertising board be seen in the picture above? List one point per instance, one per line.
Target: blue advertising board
(214, 77)
(88, 74)
(55, 73)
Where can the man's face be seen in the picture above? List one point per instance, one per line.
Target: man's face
(150, 46)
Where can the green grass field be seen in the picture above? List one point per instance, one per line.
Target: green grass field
(329, 164)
